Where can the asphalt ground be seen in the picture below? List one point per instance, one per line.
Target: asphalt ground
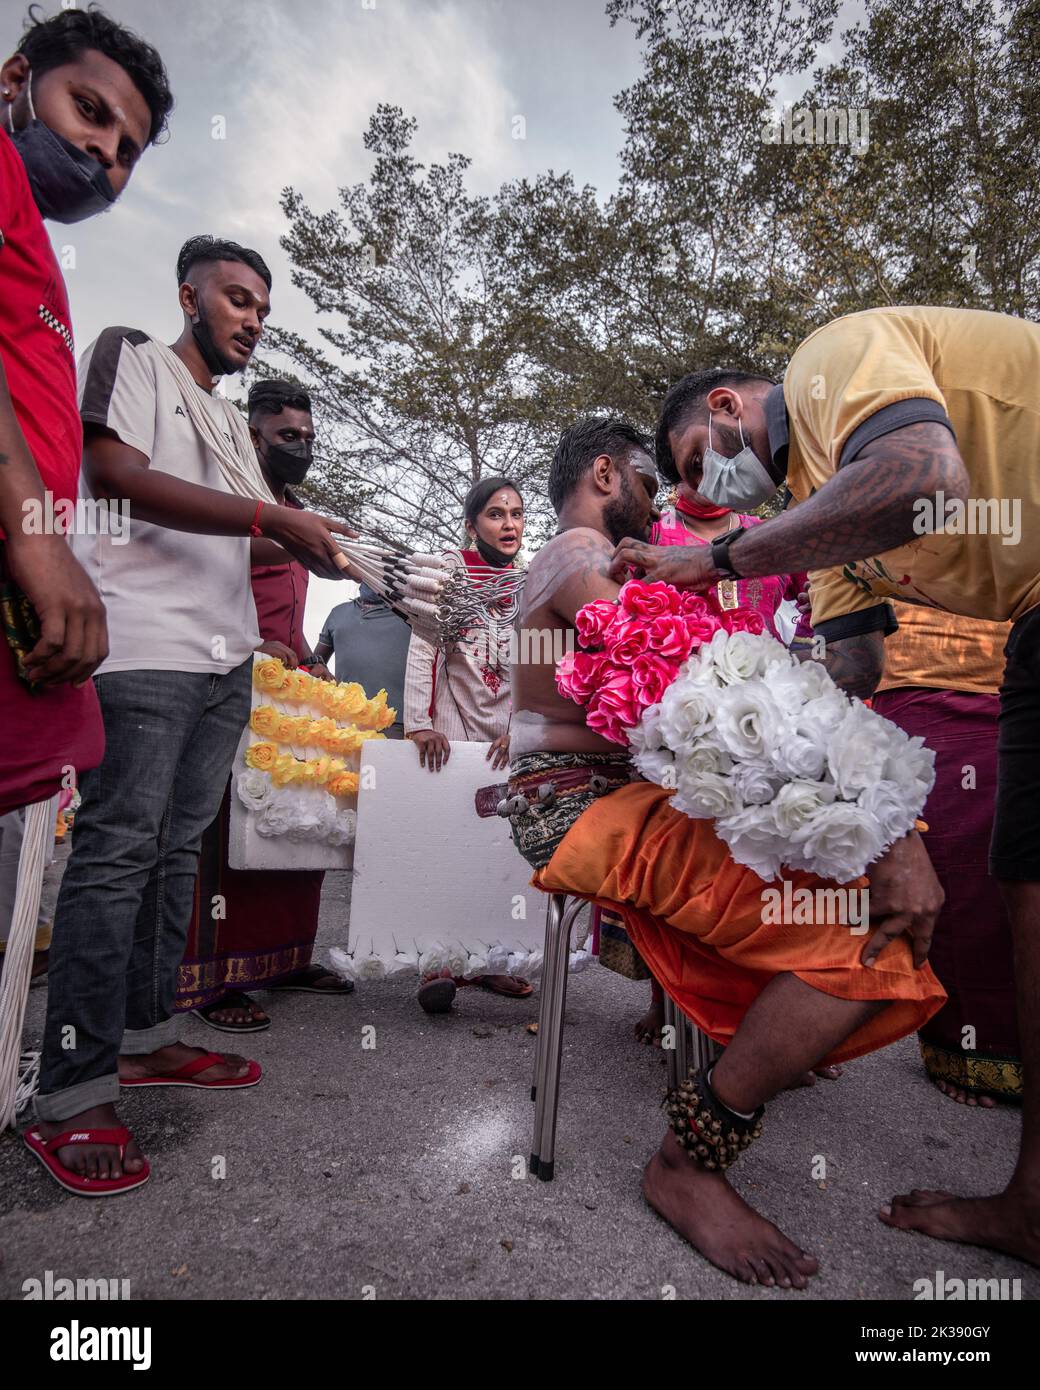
(398, 1171)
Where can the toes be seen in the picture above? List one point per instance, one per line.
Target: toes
(763, 1271)
(908, 1210)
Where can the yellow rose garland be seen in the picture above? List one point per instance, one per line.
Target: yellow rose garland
(340, 700)
(304, 732)
(285, 770)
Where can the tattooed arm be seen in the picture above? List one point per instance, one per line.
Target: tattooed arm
(854, 663)
(864, 510)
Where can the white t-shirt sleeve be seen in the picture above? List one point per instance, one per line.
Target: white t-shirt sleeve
(117, 387)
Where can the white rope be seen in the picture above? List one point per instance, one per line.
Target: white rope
(238, 461)
(429, 591)
(18, 958)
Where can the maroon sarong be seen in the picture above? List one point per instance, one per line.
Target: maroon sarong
(971, 950)
(270, 916)
(267, 930)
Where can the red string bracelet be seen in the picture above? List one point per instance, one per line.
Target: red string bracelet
(255, 530)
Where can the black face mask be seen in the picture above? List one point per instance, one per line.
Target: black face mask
(215, 361)
(490, 555)
(289, 462)
(67, 184)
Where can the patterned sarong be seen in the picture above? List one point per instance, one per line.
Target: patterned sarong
(538, 831)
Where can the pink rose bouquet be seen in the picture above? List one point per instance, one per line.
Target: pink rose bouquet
(635, 648)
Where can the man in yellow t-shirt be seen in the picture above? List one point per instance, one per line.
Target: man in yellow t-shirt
(910, 441)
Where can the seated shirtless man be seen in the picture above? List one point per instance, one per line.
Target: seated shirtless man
(798, 996)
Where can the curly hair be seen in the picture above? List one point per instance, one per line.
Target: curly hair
(211, 248)
(51, 43)
(582, 444)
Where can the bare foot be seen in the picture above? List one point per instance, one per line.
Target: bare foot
(1009, 1221)
(964, 1097)
(808, 1078)
(649, 1028)
(93, 1160)
(706, 1211)
(167, 1059)
(234, 1010)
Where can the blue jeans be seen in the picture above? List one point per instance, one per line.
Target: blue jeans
(125, 903)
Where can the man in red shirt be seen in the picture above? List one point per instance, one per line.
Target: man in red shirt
(79, 102)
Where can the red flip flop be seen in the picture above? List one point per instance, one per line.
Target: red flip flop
(183, 1076)
(46, 1150)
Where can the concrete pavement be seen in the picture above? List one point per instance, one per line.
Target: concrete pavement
(401, 1168)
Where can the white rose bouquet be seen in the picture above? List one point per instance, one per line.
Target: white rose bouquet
(794, 772)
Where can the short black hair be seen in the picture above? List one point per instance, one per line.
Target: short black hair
(272, 396)
(481, 493)
(583, 443)
(211, 248)
(685, 399)
(51, 43)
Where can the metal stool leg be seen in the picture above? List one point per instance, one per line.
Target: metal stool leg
(692, 1047)
(682, 1046)
(553, 911)
(553, 915)
(554, 1043)
(704, 1049)
(672, 1019)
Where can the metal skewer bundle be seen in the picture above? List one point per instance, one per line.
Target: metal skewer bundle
(443, 602)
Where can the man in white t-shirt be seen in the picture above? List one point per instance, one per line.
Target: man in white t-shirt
(174, 694)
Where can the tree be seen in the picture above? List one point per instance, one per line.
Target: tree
(469, 331)
(943, 206)
(423, 375)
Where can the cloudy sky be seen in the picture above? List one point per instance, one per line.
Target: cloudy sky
(295, 82)
(292, 83)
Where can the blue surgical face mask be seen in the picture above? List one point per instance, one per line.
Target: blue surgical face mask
(739, 482)
(67, 184)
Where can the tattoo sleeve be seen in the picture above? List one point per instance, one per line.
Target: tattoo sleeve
(855, 664)
(864, 510)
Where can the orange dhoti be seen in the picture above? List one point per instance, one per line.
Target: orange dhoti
(696, 918)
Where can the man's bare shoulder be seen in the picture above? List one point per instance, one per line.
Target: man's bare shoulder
(574, 551)
(573, 546)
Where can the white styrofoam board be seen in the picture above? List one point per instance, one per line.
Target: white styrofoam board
(427, 868)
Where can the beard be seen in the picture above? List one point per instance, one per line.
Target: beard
(623, 515)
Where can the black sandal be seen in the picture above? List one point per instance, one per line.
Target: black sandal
(234, 999)
(312, 973)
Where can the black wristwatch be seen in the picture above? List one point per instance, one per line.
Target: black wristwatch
(720, 548)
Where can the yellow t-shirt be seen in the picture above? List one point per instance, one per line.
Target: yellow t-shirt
(983, 369)
(944, 651)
